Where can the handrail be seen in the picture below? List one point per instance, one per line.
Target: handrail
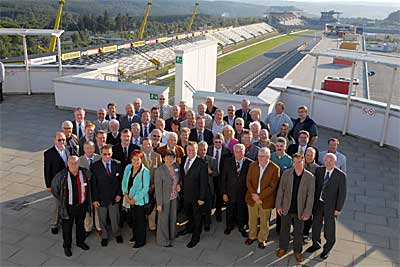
(190, 87)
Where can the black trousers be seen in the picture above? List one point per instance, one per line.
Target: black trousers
(76, 214)
(307, 227)
(320, 216)
(284, 236)
(139, 225)
(206, 210)
(193, 214)
(218, 196)
(236, 213)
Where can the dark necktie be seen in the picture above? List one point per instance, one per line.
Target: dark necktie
(326, 180)
(217, 158)
(200, 136)
(108, 169)
(244, 115)
(186, 169)
(90, 162)
(125, 153)
(80, 134)
(237, 168)
(145, 131)
(161, 111)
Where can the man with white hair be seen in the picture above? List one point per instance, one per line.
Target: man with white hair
(171, 144)
(165, 109)
(262, 182)
(79, 123)
(160, 124)
(137, 104)
(330, 195)
(101, 123)
(113, 137)
(255, 128)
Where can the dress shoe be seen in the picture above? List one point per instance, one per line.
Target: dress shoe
(67, 252)
(83, 246)
(87, 233)
(244, 233)
(280, 253)
(299, 257)
(261, 245)
(207, 228)
(324, 255)
(192, 244)
(119, 239)
(249, 241)
(228, 231)
(218, 217)
(104, 242)
(54, 230)
(132, 240)
(312, 249)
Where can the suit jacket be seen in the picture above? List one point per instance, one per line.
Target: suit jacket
(195, 182)
(82, 142)
(239, 113)
(207, 136)
(167, 111)
(113, 141)
(226, 119)
(163, 183)
(106, 187)
(152, 163)
(179, 153)
(101, 125)
(226, 153)
(150, 128)
(117, 117)
(268, 187)
(84, 163)
(118, 154)
(72, 145)
(212, 164)
(124, 122)
(305, 195)
(211, 113)
(334, 193)
(252, 153)
(231, 184)
(74, 129)
(53, 164)
(294, 148)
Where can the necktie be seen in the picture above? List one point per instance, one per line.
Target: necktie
(145, 131)
(108, 169)
(80, 134)
(200, 136)
(237, 168)
(129, 120)
(217, 157)
(64, 156)
(187, 165)
(161, 111)
(136, 142)
(244, 115)
(326, 180)
(125, 153)
(90, 162)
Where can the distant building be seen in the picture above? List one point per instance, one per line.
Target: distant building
(329, 16)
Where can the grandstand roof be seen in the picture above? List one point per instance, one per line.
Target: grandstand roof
(388, 60)
(25, 32)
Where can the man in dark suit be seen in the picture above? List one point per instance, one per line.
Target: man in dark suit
(301, 145)
(244, 112)
(113, 137)
(112, 112)
(145, 125)
(107, 192)
(89, 136)
(138, 109)
(230, 118)
(220, 153)
(200, 133)
(330, 195)
(194, 183)
(72, 142)
(233, 187)
(79, 123)
(55, 160)
(122, 151)
(126, 120)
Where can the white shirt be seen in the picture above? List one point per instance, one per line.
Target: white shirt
(260, 177)
(164, 137)
(63, 154)
(217, 128)
(82, 128)
(231, 121)
(219, 156)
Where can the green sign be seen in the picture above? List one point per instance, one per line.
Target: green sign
(178, 60)
(153, 97)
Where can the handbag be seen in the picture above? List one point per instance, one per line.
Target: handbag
(149, 206)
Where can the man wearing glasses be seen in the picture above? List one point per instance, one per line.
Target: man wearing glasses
(230, 118)
(165, 109)
(55, 160)
(239, 127)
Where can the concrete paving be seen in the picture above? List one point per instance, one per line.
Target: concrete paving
(367, 231)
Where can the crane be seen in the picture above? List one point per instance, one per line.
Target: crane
(53, 42)
(146, 15)
(189, 27)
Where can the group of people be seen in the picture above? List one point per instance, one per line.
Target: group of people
(147, 166)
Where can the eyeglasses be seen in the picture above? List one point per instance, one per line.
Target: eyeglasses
(106, 154)
(61, 140)
(161, 99)
(156, 136)
(238, 123)
(67, 128)
(217, 142)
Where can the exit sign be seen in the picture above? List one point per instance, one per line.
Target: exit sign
(153, 97)
(178, 60)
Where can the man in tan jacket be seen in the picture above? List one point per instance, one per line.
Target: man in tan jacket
(262, 181)
(294, 202)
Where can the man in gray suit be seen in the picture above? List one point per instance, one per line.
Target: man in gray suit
(294, 202)
(330, 194)
(85, 161)
(212, 172)
(101, 123)
(126, 120)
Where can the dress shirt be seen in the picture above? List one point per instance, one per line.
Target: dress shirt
(191, 162)
(63, 154)
(219, 156)
(136, 141)
(302, 148)
(217, 128)
(147, 127)
(90, 160)
(260, 177)
(240, 163)
(275, 121)
(105, 165)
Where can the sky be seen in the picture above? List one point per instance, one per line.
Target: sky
(369, 1)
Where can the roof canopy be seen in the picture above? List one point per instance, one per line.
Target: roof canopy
(384, 59)
(32, 32)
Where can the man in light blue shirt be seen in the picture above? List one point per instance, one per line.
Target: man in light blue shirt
(333, 144)
(276, 118)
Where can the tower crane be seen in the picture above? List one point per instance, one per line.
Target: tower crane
(52, 46)
(146, 15)
(189, 27)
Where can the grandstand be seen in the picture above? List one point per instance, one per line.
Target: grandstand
(284, 18)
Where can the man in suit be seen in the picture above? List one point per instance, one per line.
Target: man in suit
(89, 136)
(210, 110)
(72, 190)
(194, 183)
(55, 160)
(138, 109)
(200, 133)
(201, 111)
(151, 160)
(101, 140)
(330, 195)
(239, 128)
(112, 112)
(136, 139)
(113, 137)
(72, 142)
(101, 123)
(172, 140)
(155, 137)
(233, 187)
(244, 112)
(190, 120)
(165, 109)
(212, 172)
(145, 125)
(301, 145)
(174, 116)
(155, 115)
(85, 161)
(251, 149)
(79, 123)
(220, 153)
(262, 183)
(122, 151)
(126, 120)
(107, 192)
(230, 118)
(294, 203)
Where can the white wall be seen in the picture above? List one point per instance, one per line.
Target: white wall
(199, 68)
